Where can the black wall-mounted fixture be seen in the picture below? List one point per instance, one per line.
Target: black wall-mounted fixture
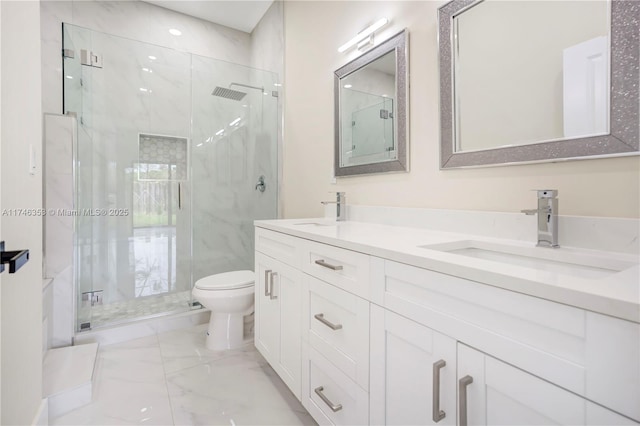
(15, 259)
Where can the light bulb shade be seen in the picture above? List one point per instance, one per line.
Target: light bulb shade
(364, 34)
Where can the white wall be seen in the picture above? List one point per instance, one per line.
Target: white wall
(314, 30)
(21, 292)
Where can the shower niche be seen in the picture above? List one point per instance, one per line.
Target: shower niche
(172, 166)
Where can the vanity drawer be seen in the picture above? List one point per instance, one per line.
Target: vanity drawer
(333, 398)
(346, 269)
(282, 247)
(338, 327)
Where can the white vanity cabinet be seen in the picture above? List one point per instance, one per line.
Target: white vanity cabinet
(591, 355)
(278, 312)
(413, 372)
(366, 340)
(335, 371)
(491, 392)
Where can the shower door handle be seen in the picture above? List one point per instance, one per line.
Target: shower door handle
(179, 195)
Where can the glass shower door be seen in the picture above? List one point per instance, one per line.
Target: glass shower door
(133, 227)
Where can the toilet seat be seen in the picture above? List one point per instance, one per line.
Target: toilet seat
(227, 281)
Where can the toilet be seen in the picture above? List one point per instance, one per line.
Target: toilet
(229, 296)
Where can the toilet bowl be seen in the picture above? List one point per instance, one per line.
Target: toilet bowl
(230, 297)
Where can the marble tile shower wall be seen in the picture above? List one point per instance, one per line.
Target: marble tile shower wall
(149, 24)
(58, 241)
(228, 156)
(267, 45)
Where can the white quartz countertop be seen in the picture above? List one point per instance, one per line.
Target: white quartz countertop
(616, 294)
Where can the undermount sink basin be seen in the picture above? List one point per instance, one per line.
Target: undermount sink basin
(564, 261)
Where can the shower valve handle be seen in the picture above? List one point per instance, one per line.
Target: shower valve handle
(261, 186)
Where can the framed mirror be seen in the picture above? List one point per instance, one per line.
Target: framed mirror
(531, 81)
(371, 110)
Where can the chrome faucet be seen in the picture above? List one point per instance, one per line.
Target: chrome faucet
(341, 206)
(547, 217)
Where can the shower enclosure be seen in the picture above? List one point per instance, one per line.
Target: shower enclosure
(166, 172)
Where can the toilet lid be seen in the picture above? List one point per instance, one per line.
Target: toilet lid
(226, 280)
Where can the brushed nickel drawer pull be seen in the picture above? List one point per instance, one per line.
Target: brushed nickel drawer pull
(272, 294)
(437, 413)
(267, 274)
(321, 262)
(334, 407)
(320, 317)
(462, 395)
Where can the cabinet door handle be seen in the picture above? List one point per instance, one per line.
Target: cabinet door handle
(321, 262)
(267, 274)
(272, 294)
(462, 395)
(320, 317)
(438, 414)
(334, 407)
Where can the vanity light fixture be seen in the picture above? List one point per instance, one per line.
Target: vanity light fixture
(175, 32)
(366, 43)
(348, 86)
(367, 33)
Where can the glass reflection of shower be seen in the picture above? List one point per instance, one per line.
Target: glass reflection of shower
(169, 169)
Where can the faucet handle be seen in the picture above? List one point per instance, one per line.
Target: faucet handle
(546, 193)
(340, 197)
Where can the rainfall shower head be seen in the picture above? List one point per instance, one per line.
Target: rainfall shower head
(236, 95)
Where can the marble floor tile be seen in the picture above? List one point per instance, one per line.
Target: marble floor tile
(128, 387)
(186, 348)
(237, 390)
(172, 379)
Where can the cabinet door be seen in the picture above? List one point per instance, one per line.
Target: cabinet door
(404, 357)
(500, 394)
(286, 287)
(278, 317)
(267, 311)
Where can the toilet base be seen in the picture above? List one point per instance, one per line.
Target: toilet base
(226, 331)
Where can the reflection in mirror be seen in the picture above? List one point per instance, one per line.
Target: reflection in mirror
(367, 99)
(371, 111)
(531, 80)
(547, 85)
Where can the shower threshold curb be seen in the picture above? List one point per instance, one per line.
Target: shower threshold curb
(138, 328)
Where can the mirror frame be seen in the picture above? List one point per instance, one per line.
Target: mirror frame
(624, 131)
(400, 44)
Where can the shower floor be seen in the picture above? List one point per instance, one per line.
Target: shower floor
(140, 308)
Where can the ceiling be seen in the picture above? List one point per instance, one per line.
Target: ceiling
(239, 14)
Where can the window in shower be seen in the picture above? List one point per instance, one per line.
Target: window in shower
(157, 204)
